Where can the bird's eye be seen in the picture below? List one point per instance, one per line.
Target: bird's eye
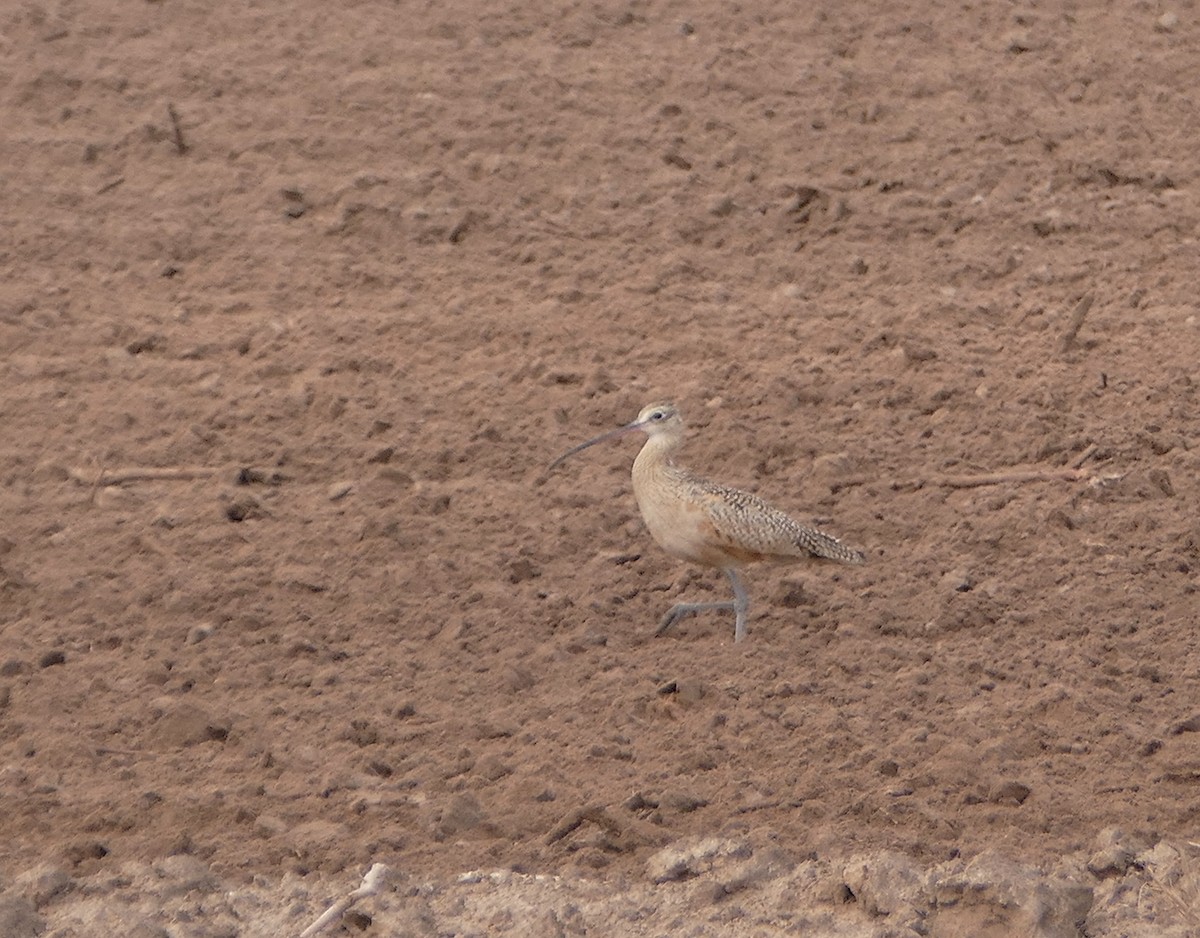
(657, 415)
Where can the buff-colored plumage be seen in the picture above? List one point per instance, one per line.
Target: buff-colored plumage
(710, 524)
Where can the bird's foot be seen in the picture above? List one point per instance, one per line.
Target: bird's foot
(680, 610)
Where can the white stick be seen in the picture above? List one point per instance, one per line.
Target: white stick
(372, 883)
(149, 474)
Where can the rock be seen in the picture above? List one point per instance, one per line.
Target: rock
(303, 576)
(763, 866)
(1020, 899)
(416, 919)
(522, 569)
(98, 919)
(180, 725)
(268, 825)
(19, 919)
(915, 352)
(13, 776)
(1161, 479)
(492, 768)
(1154, 898)
(1017, 42)
(244, 507)
(198, 633)
(1010, 793)
(1138, 485)
(462, 813)
(1167, 865)
(315, 838)
(339, 490)
(1189, 725)
(517, 678)
(683, 802)
(722, 206)
(691, 857)
(957, 581)
(362, 733)
(885, 883)
(791, 595)
(183, 873)
(1053, 221)
(1114, 852)
(831, 469)
(1167, 22)
(686, 691)
(42, 883)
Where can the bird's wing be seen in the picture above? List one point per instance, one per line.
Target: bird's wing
(744, 522)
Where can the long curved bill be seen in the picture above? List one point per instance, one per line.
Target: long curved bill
(602, 438)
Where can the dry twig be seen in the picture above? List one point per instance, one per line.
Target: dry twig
(1072, 472)
(1083, 457)
(177, 131)
(1077, 317)
(146, 474)
(371, 885)
(575, 819)
(1012, 475)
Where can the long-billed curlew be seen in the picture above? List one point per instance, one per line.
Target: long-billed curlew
(709, 524)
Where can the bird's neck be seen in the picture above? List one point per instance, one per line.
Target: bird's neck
(655, 457)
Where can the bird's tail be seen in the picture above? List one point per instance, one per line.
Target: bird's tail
(820, 544)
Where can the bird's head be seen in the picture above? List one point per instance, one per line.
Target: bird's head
(661, 420)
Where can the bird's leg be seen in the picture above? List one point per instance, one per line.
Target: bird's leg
(741, 604)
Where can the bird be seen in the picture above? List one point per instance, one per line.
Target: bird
(708, 524)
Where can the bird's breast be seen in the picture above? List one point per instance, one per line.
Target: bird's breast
(680, 523)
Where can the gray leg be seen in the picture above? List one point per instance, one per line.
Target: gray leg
(741, 604)
(679, 610)
(739, 607)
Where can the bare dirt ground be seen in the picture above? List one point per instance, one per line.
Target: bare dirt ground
(347, 276)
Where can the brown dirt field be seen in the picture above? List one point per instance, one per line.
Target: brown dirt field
(366, 268)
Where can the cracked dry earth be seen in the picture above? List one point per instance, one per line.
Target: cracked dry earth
(297, 304)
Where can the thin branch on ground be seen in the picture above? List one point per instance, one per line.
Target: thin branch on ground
(1072, 472)
(1012, 475)
(1077, 317)
(371, 885)
(146, 474)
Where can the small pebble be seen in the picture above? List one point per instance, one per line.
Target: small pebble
(1011, 793)
(242, 508)
(722, 207)
(198, 633)
(1187, 725)
(957, 581)
(681, 801)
